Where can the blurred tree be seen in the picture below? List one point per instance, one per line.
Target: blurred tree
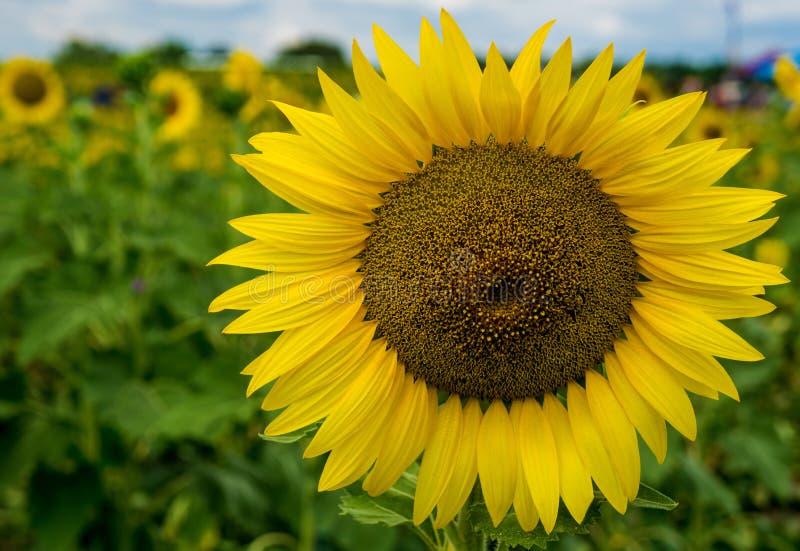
(171, 53)
(79, 51)
(310, 53)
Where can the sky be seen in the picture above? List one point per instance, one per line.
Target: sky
(687, 30)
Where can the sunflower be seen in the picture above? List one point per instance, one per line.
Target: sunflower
(787, 78)
(31, 91)
(244, 74)
(179, 103)
(711, 123)
(498, 271)
(648, 90)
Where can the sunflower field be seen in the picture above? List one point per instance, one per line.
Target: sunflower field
(124, 418)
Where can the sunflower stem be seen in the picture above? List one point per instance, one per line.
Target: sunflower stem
(461, 535)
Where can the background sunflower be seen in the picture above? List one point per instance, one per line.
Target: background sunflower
(31, 91)
(178, 104)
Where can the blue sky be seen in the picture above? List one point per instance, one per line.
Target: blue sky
(692, 30)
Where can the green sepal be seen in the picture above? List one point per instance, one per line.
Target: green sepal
(292, 436)
(650, 498)
(392, 508)
(510, 533)
(647, 498)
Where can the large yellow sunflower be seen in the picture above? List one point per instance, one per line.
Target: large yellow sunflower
(502, 272)
(31, 91)
(179, 101)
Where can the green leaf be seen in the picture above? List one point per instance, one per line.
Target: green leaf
(16, 264)
(510, 533)
(391, 508)
(292, 436)
(374, 510)
(62, 505)
(650, 498)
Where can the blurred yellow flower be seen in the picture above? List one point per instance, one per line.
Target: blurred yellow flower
(242, 72)
(648, 90)
(710, 123)
(772, 251)
(180, 104)
(787, 78)
(31, 92)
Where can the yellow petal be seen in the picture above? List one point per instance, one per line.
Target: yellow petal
(497, 460)
(351, 457)
(616, 100)
(464, 74)
(694, 178)
(698, 366)
(311, 409)
(591, 449)
(295, 155)
(640, 134)
(319, 368)
(525, 509)
(698, 238)
(693, 328)
(616, 431)
(649, 423)
(547, 94)
(717, 205)
(655, 382)
(437, 462)
(540, 461)
(373, 139)
(500, 100)
(300, 305)
(465, 467)
(306, 190)
(364, 402)
(656, 175)
(347, 462)
(291, 229)
(253, 254)
(527, 67)
(402, 74)
(576, 112)
(254, 292)
(712, 270)
(332, 144)
(445, 126)
(385, 103)
(694, 386)
(719, 305)
(407, 433)
(575, 482)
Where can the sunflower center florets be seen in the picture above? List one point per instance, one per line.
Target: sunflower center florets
(499, 271)
(170, 105)
(29, 88)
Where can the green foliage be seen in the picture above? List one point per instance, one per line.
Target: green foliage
(83, 53)
(310, 53)
(124, 422)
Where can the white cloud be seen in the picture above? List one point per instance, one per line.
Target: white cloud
(667, 28)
